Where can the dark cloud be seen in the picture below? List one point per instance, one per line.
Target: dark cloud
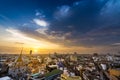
(91, 23)
(83, 23)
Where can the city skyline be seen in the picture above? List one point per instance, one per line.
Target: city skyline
(63, 26)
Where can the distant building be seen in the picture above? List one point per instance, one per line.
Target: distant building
(115, 72)
(30, 52)
(65, 77)
(117, 58)
(73, 58)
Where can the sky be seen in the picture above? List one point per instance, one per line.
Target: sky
(47, 26)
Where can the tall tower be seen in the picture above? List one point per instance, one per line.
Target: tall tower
(19, 60)
(30, 55)
(30, 52)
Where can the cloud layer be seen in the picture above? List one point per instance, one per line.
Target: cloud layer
(85, 23)
(82, 23)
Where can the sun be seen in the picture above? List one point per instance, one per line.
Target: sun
(35, 50)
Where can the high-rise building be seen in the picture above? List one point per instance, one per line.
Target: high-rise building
(30, 52)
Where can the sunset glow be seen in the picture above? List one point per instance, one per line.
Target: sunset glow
(82, 26)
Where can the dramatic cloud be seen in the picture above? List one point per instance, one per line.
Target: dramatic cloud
(80, 23)
(92, 23)
(20, 38)
(84, 23)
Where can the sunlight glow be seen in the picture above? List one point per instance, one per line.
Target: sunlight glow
(16, 36)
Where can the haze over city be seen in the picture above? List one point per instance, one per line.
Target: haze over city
(63, 26)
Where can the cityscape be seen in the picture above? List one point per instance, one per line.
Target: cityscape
(59, 39)
(60, 66)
